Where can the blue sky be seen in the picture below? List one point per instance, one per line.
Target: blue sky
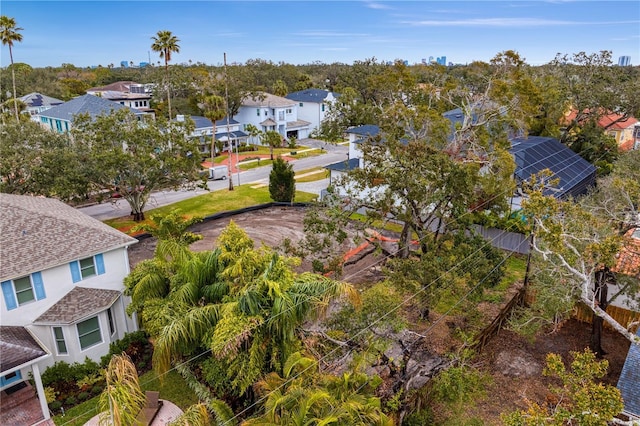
(88, 33)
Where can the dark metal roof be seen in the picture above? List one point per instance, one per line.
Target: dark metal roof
(629, 381)
(536, 153)
(18, 347)
(344, 166)
(79, 303)
(365, 130)
(86, 104)
(204, 122)
(310, 95)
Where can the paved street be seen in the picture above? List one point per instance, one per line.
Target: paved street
(333, 154)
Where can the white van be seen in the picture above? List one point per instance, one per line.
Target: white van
(218, 172)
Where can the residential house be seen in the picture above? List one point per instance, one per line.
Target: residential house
(61, 274)
(60, 118)
(271, 112)
(225, 132)
(127, 93)
(37, 103)
(313, 105)
(628, 263)
(625, 131)
(532, 155)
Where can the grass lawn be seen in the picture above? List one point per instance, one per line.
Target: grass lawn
(312, 175)
(210, 203)
(172, 388)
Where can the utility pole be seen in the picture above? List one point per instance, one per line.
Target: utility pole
(226, 101)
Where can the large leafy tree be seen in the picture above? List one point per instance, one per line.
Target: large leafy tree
(9, 34)
(165, 43)
(39, 162)
(282, 182)
(135, 158)
(242, 303)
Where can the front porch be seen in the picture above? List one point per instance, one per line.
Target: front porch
(21, 407)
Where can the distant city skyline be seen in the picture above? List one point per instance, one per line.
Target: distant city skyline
(92, 33)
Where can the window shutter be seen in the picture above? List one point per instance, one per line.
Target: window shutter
(38, 285)
(75, 271)
(9, 297)
(99, 264)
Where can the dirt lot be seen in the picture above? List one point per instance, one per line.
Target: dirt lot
(514, 362)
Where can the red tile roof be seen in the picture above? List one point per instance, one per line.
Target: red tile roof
(629, 257)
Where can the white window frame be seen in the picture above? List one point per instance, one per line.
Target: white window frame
(58, 340)
(85, 268)
(31, 288)
(99, 330)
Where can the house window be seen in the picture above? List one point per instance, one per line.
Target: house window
(10, 378)
(322, 107)
(289, 110)
(258, 111)
(89, 333)
(87, 267)
(300, 104)
(112, 324)
(23, 290)
(61, 345)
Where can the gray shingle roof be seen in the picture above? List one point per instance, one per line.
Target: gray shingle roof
(365, 130)
(18, 347)
(204, 122)
(263, 99)
(38, 99)
(297, 123)
(344, 166)
(38, 233)
(79, 303)
(310, 95)
(629, 381)
(86, 104)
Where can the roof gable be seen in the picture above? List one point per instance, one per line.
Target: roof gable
(310, 95)
(86, 104)
(263, 99)
(79, 303)
(38, 233)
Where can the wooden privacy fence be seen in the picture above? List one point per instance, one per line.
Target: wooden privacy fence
(489, 331)
(621, 315)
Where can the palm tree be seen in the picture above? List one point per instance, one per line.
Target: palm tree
(214, 109)
(122, 398)
(166, 43)
(9, 34)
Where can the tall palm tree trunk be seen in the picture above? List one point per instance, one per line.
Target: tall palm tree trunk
(13, 77)
(166, 73)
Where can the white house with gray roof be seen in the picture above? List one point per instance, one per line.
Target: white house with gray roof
(37, 103)
(271, 112)
(61, 274)
(60, 118)
(313, 105)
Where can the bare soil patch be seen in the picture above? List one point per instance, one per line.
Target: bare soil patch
(513, 361)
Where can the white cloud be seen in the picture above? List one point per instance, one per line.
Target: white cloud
(379, 6)
(506, 22)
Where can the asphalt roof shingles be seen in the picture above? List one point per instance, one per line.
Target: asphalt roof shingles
(79, 303)
(18, 347)
(86, 104)
(38, 233)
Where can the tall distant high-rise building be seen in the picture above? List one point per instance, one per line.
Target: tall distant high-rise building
(442, 60)
(430, 59)
(624, 61)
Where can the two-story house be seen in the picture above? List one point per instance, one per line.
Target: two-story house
(60, 118)
(313, 105)
(37, 103)
(127, 93)
(271, 112)
(225, 132)
(61, 274)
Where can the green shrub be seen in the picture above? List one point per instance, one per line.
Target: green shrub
(96, 390)
(50, 394)
(55, 406)
(419, 418)
(71, 401)
(82, 396)
(134, 344)
(458, 384)
(62, 372)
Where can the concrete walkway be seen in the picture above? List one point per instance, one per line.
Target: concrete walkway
(168, 413)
